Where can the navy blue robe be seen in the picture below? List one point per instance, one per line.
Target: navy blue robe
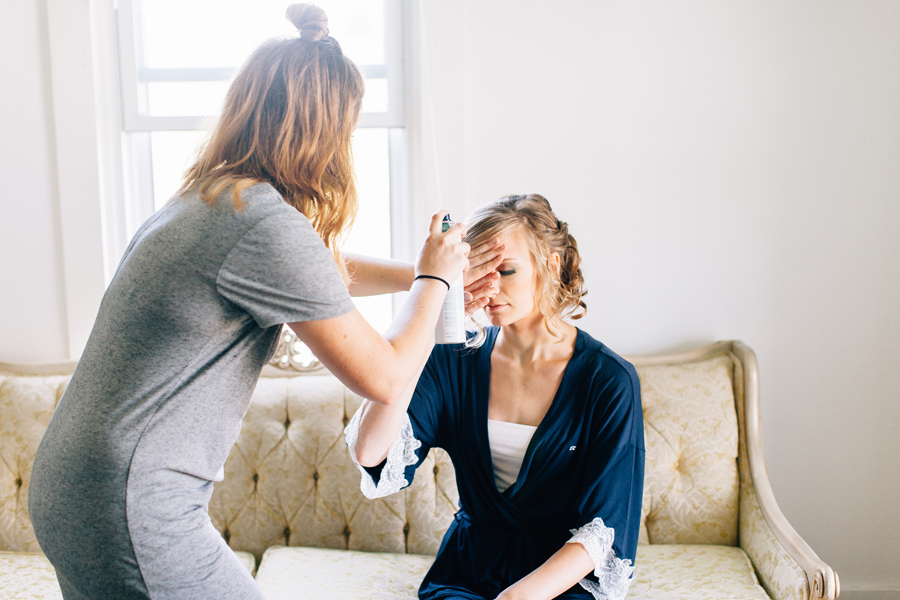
(584, 462)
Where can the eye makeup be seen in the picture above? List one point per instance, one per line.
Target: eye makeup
(507, 272)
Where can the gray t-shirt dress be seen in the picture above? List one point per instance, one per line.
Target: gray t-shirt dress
(123, 476)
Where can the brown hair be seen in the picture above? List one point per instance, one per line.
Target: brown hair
(560, 294)
(287, 120)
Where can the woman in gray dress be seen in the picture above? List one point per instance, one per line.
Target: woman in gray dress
(123, 476)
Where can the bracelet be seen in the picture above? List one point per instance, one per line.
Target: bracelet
(441, 279)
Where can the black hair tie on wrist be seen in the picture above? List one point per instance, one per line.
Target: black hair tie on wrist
(442, 280)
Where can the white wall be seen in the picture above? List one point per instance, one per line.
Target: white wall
(33, 326)
(62, 180)
(731, 170)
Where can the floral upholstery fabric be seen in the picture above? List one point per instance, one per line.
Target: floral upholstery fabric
(323, 573)
(27, 576)
(664, 572)
(26, 405)
(690, 432)
(289, 480)
(781, 576)
(30, 576)
(693, 572)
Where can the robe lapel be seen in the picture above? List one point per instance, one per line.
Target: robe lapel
(541, 446)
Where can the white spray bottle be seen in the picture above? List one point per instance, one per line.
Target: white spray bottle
(451, 327)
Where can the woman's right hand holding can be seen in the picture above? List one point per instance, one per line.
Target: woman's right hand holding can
(443, 255)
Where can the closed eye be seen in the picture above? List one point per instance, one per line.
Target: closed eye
(505, 273)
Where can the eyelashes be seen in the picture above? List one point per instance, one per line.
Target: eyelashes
(505, 273)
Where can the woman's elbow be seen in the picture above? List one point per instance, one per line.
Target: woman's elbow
(385, 392)
(369, 457)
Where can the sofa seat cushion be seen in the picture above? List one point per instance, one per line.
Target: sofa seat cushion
(664, 572)
(30, 576)
(27, 575)
(287, 573)
(695, 572)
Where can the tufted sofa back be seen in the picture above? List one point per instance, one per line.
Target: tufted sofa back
(26, 405)
(289, 480)
(691, 483)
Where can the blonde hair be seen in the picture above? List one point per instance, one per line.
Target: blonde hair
(287, 120)
(560, 294)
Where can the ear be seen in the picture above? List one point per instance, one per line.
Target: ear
(555, 264)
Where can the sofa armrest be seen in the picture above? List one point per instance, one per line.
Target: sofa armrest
(786, 565)
(779, 572)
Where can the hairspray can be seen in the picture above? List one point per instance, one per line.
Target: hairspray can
(450, 327)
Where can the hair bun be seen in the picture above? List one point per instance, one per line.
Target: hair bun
(310, 20)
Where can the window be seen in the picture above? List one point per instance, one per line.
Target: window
(176, 59)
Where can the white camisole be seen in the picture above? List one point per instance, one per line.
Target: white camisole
(508, 441)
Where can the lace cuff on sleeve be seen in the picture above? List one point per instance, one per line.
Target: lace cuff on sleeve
(401, 455)
(612, 572)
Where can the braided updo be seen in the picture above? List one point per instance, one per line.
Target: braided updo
(562, 291)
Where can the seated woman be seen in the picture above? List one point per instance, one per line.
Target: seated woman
(542, 422)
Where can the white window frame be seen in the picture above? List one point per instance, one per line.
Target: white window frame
(137, 124)
(134, 74)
